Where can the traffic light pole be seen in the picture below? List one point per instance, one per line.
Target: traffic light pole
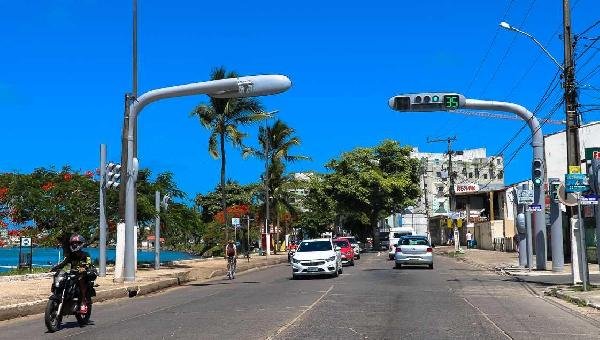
(537, 143)
(436, 101)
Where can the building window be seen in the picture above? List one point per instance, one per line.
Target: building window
(484, 176)
(500, 174)
(470, 175)
(477, 172)
(438, 174)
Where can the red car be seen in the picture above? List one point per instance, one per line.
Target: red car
(346, 251)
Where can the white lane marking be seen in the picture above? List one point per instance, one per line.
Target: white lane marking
(287, 325)
(487, 318)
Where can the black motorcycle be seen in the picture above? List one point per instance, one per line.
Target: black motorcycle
(65, 299)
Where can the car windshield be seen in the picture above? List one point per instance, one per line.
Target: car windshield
(351, 239)
(314, 246)
(342, 244)
(414, 242)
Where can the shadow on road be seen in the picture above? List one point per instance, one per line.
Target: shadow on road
(222, 283)
(71, 324)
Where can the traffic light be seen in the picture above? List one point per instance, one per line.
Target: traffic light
(538, 172)
(554, 191)
(113, 175)
(427, 102)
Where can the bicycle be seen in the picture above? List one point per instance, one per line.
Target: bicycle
(231, 264)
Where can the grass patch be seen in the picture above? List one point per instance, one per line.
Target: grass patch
(22, 271)
(455, 254)
(580, 288)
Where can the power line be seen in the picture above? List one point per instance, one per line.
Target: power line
(508, 49)
(487, 52)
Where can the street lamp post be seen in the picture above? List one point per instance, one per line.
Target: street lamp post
(224, 88)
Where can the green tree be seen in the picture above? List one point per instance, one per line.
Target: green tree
(318, 209)
(223, 118)
(275, 143)
(374, 181)
(54, 204)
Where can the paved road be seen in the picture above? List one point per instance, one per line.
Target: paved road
(369, 301)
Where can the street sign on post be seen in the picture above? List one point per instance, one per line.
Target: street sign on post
(589, 200)
(576, 183)
(525, 196)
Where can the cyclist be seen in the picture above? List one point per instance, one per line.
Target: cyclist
(231, 253)
(81, 262)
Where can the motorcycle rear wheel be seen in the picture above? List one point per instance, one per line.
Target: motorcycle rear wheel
(84, 319)
(51, 318)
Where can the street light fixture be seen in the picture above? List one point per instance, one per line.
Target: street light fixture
(250, 86)
(507, 26)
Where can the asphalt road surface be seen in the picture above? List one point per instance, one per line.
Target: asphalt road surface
(369, 301)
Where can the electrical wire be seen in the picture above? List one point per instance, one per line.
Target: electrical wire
(508, 49)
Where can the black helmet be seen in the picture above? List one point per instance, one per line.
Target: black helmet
(76, 242)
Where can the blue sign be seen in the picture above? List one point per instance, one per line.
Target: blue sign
(536, 207)
(576, 183)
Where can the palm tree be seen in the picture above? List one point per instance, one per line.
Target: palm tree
(223, 116)
(276, 142)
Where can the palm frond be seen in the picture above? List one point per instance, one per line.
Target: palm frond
(234, 135)
(212, 145)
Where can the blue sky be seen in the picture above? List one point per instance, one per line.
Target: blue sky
(66, 64)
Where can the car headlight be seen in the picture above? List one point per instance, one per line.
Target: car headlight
(295, 260)
(331, 258)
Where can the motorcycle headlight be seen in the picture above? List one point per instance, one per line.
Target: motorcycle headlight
(295, 260)
(331, 258)
(58, 280)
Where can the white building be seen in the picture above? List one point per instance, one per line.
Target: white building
(555, 149)
(474, 173)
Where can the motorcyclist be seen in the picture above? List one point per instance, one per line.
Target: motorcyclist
(81, 262)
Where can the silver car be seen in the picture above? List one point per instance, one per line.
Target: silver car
(413, 250)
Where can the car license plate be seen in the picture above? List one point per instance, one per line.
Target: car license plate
(313, 269)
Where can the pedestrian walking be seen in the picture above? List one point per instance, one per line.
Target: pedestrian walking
(469, 240)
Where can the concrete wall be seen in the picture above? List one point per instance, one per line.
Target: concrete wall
(485, 232)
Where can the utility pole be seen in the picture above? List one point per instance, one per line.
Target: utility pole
(572, 117)
(448, 140)
(424, 167)
(572, 124)
(451, 198)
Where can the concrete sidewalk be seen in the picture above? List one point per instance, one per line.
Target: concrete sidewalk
(23, 295)
(557, 284)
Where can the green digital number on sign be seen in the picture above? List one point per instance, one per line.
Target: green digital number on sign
(451, 101)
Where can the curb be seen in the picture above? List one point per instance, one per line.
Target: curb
(557, 293)
(38, 306)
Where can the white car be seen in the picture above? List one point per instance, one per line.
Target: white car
(316, 257)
